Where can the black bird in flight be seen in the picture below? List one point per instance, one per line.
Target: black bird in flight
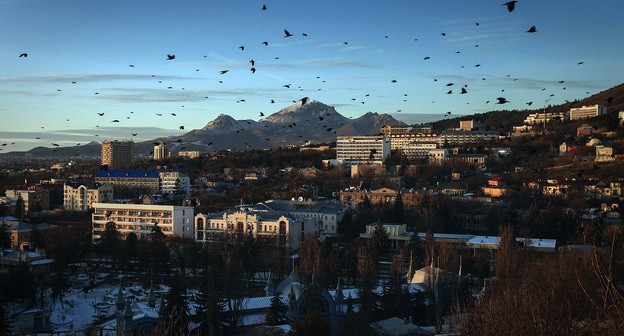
(532, 30)
(181, 127)
(287, 33)
(253, 70)
(529, 103)
(242, 48)
(449, 84)
(579, 63)
(115, 121)
(511, 5)
(450, 92)
(263, 7)
(426, 58)
(261, 114)
(304, 34)
(443, 34)
(23, 55)
(170, 57)
(135, 134)
(463, 91)
(265, 43)
(304, 100)
(272, 101)
(223, 72)
(502, 100)
(393, 81)
(55, 144)
(253, 63)
(286, 86)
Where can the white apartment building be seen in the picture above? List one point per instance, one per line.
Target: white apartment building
(587, 112)
(80, 197)
(175, 183)
(400, 141)
(257, 220)
(541, 118)
(189, 154)
(438, 155)
(161, 151)
(141, 219)
(362, 148)
(419, 150)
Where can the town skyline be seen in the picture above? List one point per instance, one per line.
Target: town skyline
(116, 53)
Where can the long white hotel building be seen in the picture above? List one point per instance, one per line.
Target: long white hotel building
(140, 218)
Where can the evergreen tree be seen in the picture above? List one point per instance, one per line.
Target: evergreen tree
(5, 322)
(5, 235)
(398, 212)
(278, 312)
(176, 310)
(211, 303)
(379, 239)
(19, 211)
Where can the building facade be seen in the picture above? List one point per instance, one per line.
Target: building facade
(354, 196)
(189, 154)
(117, 154)
(362, 148)
(161, 151)
(419, 150)
(33, 200)
(324, 214)
(141, 219)
(258, 221)
(131, 183)
(457, 137)
(587, 112)
(175, 183)
(80, 197)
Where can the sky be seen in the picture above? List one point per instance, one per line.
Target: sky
(358, 56)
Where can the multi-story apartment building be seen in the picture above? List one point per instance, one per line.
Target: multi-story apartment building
(587, 112)
(419, 150)
(400, 141)
(133, 183)
(80, 197)
(456, 137)
(160, 151)
(541, 118)
(141, 219)
(33, 200)
(130, 183)
(257, 220)
(175, 183)
(117, 154)
(362, 148)
(189, 154)
(438, 155)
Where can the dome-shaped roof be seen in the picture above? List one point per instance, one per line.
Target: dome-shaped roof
(288, 285)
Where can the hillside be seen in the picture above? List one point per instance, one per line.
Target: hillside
(503, 120)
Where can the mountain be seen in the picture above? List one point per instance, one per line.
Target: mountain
(294, 124)
(224, 124)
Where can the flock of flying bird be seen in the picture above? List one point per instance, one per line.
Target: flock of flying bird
(462, 89)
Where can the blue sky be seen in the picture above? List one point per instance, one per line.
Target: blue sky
(93, 43)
